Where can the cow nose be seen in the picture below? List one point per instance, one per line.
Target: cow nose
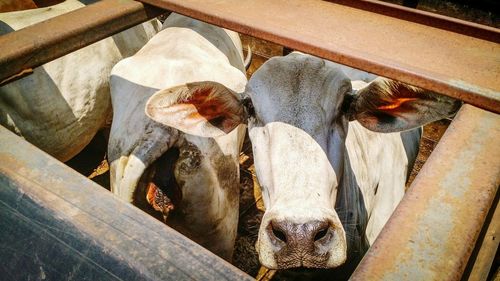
(312, 243)
(302, 237)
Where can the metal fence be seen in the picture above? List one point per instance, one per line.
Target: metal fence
(434, 231)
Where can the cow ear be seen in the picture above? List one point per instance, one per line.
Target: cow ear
(206, 109)
(390, 106)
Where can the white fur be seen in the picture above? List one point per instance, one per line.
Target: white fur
(298, 184)
(60, 107)
(308, 156)
(377, 159)
(185, 51)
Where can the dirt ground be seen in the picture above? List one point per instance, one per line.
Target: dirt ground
(91, 161)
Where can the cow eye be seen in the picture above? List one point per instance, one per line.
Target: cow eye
(247, 103)
(349, 97)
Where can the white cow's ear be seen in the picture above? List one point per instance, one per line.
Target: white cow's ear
(206, 109)
(390, 106)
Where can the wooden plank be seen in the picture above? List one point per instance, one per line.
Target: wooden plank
(58, 225)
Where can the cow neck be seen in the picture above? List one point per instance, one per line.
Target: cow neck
(351, 210)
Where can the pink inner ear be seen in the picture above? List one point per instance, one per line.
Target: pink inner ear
(213, 108)
(208, 107)
(395, 103)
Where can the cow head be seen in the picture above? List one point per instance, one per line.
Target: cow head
(298, 109)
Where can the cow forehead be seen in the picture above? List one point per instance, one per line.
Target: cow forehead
(288, 158)
(298, 89)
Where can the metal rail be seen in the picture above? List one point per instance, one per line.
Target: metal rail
(426, 18)
(464, 167)
(396, 43)
(55, 224)
(35, 45)
(432, 232)
(447, 62)
(486, 248)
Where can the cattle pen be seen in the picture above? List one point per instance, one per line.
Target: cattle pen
(445, 228)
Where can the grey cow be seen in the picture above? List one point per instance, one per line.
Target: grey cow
(332, 160)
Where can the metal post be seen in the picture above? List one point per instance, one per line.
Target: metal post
(432, 232)
(55, 224)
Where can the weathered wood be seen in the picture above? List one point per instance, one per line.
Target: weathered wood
(57, 225)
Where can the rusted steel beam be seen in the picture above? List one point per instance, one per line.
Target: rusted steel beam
(486, 248)
(425, 18)
(432, 232)
(38, 44)
(55, 224)
(447, 62)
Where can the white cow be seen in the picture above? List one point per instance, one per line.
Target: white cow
(62, 105)
(198, 175)
(332, 161)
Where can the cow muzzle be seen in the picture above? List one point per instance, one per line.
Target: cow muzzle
(313, 244)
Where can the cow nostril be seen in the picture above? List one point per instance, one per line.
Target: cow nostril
(278, 233)
(320, 234)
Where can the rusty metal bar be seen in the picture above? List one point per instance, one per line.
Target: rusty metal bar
(425, 18)
(55, 224)
(486, 248)
(432, 232)
(38, 44)
(447, 62)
